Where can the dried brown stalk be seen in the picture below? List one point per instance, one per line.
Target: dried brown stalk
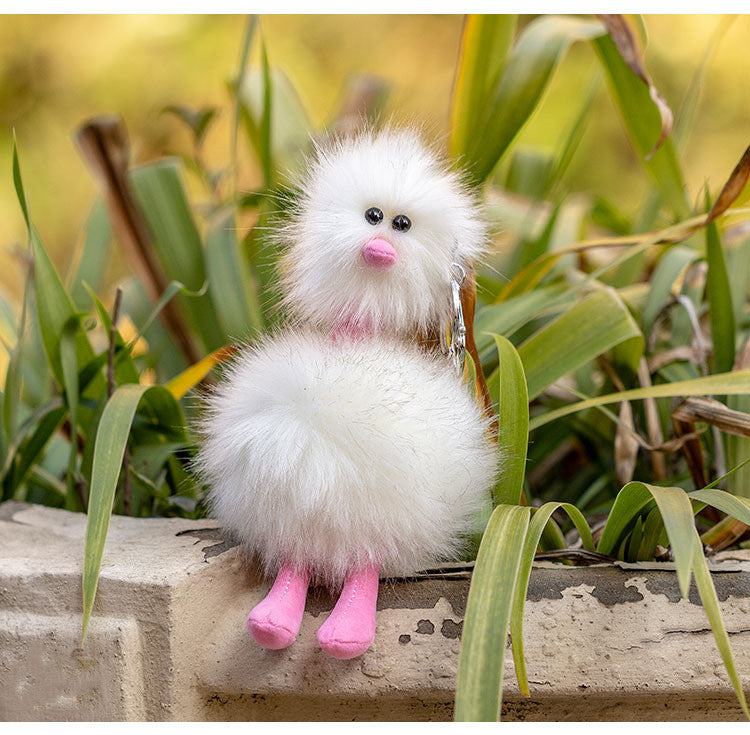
(713, 412)
(692, 450)
(725, 533)
(104, 144)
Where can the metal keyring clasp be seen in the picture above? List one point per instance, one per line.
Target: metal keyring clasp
(453, 338)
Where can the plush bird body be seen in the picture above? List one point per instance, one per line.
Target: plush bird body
(338, 450)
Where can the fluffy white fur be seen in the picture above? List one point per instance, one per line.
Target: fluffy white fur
(325, 280)
(334, 455)
(330, 454)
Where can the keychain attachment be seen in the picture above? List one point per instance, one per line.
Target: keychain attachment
(453, 337)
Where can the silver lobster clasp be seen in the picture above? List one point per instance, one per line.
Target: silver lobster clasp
(453, 337)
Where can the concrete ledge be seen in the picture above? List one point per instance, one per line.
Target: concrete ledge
(167, 639)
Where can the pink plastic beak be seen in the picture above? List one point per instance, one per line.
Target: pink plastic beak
(379, 253)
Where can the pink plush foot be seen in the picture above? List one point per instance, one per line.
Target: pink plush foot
(350, 628)
(275, 622)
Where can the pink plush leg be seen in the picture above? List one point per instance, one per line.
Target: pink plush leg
(275, 622)
(350, 628)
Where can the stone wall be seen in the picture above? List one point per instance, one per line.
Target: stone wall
(167, 639)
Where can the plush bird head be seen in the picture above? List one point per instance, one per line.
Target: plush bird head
(374, 236)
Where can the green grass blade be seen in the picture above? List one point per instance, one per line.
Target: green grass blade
(54, 306)
(634, 541)
(732, 505)
(676, 513)
(592, 326)
(721, 309)
(629, 503)
(538, 523)
(513, 428)
(172, 289)
(163, 356)
(530, 250)
(14, 376)
(669, 270)
(124, 365)
(289, 121)
(739, 278)
(266, 152)
(527, 71)
(736, 383)
(28, 451)
(161, 198)
(574, 134)
(247, 43)
(652, 530)
(710, 602)
(509, 316)
(643, 123)
(738, 449)
(232, 291)
(485, 633)
(485, 43)
(93, 257)
(111, 439)
(18, 183)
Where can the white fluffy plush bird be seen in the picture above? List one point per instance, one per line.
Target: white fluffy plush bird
(338, 450)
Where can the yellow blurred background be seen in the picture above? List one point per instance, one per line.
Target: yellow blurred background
(56, 71)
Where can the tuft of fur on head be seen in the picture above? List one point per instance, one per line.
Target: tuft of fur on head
(333, 456)
(324, 278)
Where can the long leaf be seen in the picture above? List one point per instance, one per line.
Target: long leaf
(247, 42)
(676, 513)
(90, 266)
(31, 449)
(628, 504)
(524, 78)
(266, 153)
(232, 292)
(625, 39)
(513, 428)
(644, 124)
(485, 633)
(161, 197)
(721, 310)
(509, 316)
(710, 601)
(736, 383)
(591, 327)
(13, 377)
(738, 447)
(54, 305)
(737, 507)
(111, 439)
(669, 270)
(484, 46)
(538, 523)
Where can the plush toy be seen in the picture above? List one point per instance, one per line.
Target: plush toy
(340, 449)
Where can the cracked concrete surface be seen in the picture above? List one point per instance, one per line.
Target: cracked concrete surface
(167, 640)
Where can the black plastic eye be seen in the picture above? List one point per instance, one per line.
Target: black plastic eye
(374, 215)
(401, 223)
